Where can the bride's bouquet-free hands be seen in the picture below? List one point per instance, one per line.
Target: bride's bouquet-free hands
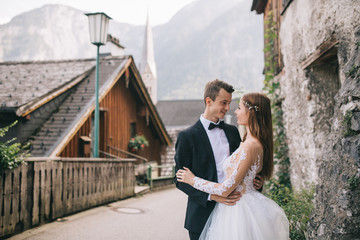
(185, 176)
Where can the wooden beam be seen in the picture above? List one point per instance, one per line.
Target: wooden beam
(259, 6)
(326, 51)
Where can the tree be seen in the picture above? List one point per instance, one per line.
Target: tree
(11, 153)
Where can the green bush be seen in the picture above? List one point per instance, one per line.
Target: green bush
(353, 182)
(297, 206)
(11, 153)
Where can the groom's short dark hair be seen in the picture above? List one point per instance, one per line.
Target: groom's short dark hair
(212, 89)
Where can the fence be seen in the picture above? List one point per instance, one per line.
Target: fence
(45, 189)
(140, 164)
(156, 181)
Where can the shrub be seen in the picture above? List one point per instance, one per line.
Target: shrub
(11, 153)
(353, 182)
(297, 206)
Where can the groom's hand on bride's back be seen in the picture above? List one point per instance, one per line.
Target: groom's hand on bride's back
(229, 200)
(258, 182)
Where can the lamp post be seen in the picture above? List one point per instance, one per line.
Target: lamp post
(98, 25)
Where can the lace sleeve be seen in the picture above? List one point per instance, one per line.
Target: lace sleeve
(236, 169)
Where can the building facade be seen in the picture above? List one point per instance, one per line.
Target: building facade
(316, 50)
(53, 102)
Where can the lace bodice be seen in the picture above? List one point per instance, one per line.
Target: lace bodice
(240, 170)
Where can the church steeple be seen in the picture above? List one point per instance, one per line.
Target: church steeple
(148, 66)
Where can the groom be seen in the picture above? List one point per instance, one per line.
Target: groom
(202, 148)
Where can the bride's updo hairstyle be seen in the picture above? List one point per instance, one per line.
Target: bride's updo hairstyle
(260, 126)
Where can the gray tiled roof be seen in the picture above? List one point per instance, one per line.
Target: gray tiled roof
(187, 112)
(27, 87)
(22, 82)
(73, 108)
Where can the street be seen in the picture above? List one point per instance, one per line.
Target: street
(157, 215)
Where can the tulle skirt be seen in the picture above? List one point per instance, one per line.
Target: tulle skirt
(254, 217)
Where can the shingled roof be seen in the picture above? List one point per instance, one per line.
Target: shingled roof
(24, 84)
(176, 113)
(43, 81)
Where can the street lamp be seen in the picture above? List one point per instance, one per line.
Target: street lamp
(98, 25)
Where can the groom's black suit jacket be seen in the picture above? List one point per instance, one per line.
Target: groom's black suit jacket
(193, 150)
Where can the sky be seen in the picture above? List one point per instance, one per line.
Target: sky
(128, 11)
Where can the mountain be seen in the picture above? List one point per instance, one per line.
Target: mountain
(205, 40)
(219, 39)
(48, 33)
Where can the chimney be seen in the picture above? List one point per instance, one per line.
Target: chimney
(112, 47)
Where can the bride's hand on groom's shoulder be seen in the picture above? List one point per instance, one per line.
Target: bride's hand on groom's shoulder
(229, 200)
(185, 176)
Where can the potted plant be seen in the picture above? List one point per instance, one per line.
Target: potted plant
(138, 142)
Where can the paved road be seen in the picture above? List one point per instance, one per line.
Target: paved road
(156, 216)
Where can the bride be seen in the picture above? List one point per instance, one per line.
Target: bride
(254, 216)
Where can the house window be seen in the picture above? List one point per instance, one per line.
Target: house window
(133, 129)
(325, 53)
(322, 71)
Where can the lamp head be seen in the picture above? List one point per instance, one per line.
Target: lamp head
(98, 25)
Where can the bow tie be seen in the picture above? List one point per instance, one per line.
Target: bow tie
(220, 125)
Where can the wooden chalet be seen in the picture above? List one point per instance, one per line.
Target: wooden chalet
(54, 104)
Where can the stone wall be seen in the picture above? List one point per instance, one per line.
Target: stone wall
(321, 111)
(167, 158)
(337, 208)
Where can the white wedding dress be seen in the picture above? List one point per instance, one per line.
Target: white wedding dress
(254, 216)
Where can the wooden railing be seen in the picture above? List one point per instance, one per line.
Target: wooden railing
(156, 181)
(122, 153)
(45, 189)
(140, 164)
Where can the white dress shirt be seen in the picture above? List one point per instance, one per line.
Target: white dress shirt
(219, 145)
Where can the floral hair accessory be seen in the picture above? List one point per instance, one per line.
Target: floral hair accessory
(250, 106)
